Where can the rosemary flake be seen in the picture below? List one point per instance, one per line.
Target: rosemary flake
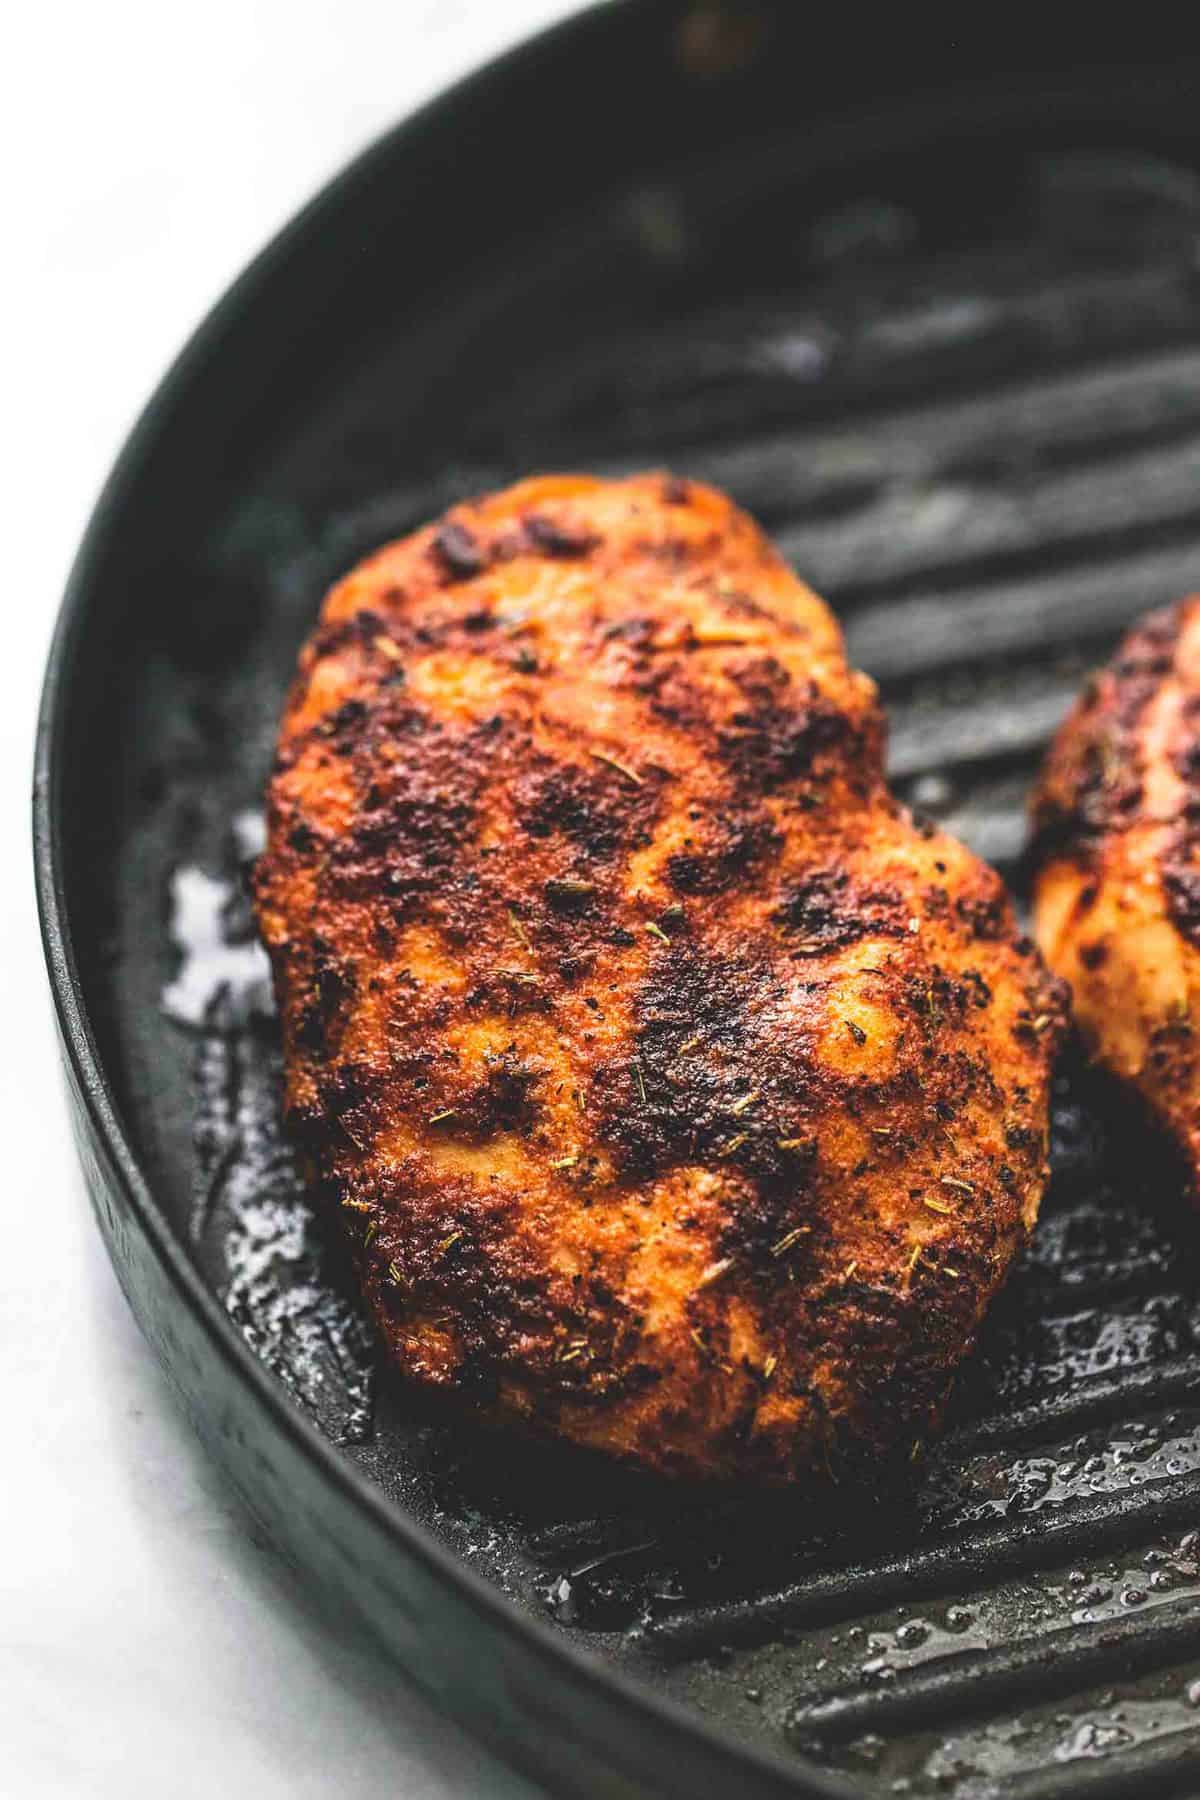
(714, 1272)
(620, 767)
(789, 1239)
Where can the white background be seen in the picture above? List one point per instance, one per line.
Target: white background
(147, 1645)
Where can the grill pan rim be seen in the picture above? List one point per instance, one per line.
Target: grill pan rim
(667, 1728)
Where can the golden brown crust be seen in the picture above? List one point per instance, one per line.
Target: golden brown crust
(1117, 845)
(681, 1096)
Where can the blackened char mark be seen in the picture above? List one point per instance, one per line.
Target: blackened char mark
(1181, 884)
(985, 913)
(502, 1100)
(1106, 795)
(343, 725)
(737, 846)
(1106, 790)
(828, 910)
(1181, 862)
(787, 730)
(710, 1077)
(459, 551)
(596, 807)
(413, 833)
(558, 538)
(331, 982)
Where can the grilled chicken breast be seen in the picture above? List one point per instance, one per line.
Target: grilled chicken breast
(681, 1096)
(1117, 846)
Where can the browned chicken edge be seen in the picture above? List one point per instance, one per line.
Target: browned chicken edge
(1117, 854)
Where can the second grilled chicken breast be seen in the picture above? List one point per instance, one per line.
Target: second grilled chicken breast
(1117, 897)
(681, 1096)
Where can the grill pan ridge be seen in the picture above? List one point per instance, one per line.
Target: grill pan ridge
(947, 348)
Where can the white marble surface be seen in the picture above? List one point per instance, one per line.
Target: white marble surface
(147, 1644)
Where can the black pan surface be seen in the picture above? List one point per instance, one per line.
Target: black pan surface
(932, 311)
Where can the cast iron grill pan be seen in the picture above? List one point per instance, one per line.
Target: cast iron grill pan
(948, 350)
